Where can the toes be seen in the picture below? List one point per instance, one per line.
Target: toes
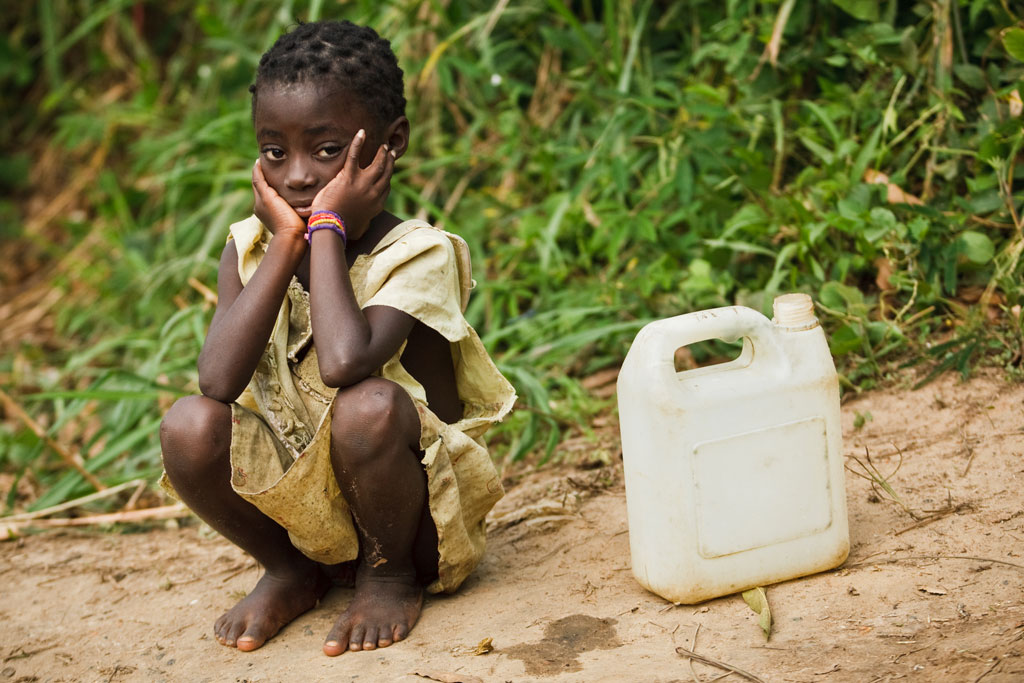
(248, 643)
(231, 632)
(219, 629)
(401, 631)
(370, 638)
(355, 640)
(386, 636)
(337, 639)
(253, 637)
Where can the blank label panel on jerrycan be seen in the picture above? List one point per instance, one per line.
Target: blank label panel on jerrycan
(734, 472)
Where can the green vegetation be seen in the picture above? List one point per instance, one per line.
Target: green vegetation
(609, 163)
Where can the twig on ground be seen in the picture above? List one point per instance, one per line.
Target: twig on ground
(46, 512)
(874, 476)
(682, 651)
(24, 654)
(165, 512)
(244, 568)
(970, 459)
(905, 558)
(937, 515)
(689, 662)
(133, 502)
(989, 670)
(11, 405)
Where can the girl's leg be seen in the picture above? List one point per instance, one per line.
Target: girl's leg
(195, 436)
(375, 437)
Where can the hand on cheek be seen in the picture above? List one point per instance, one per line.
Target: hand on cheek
(272, 210)
(358, 194)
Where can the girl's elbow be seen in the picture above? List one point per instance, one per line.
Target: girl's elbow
(218, 391)
(341, 373)
(218, 388)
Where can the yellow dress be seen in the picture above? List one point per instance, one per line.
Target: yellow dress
(281, 425)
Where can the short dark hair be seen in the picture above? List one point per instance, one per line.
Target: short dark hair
(355, 57)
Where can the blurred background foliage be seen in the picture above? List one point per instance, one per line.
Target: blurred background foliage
(609, 163)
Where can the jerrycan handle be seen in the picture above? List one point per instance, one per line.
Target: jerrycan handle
(729, 323)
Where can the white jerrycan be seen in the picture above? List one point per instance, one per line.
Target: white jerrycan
(734, 472)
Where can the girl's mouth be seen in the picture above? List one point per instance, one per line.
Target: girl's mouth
(303, 211)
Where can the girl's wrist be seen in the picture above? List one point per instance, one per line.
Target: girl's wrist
(292, 241)
(322, 219)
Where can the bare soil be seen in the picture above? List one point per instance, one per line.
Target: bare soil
(934, 598)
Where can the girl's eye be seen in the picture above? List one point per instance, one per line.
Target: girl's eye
(328, 152)
(273, 153)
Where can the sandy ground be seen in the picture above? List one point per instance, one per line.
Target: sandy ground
(933, 600)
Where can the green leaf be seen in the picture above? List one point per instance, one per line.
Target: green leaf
(971, 75)
(757, 599)
(865, 10)
(843, 341)
(749, 215)
(882, 222)
(838, 297)
(1013, 41)
(977, 247)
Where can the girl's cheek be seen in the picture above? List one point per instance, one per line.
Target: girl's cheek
(274, 180)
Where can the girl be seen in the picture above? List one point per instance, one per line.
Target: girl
(343, 393)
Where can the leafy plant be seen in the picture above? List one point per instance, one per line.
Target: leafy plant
(608, 163)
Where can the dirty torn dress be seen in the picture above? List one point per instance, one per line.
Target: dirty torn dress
(281, 425)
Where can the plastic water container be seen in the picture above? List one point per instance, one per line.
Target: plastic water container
(734, 472)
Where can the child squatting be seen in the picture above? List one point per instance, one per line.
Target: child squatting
(338, 434)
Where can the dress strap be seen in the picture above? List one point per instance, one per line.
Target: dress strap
(462, 257)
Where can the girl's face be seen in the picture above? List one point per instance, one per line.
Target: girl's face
(303, 135)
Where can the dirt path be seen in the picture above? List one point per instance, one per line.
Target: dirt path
(555, 594)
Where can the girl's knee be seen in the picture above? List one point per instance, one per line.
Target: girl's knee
(372, 413)
(195, 432)
(371, 405)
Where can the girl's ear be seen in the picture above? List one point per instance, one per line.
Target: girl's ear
(397, 136)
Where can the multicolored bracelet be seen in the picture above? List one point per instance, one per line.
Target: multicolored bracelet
(328, 220)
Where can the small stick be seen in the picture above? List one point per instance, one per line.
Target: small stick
(238, 571)
(989, 670)
(689, 662)
(25, 654)
(931, 518)
(208, 294)
(133, 502)
(721, 665)
(20, 413)
(46, 512)
(165, 512)
(970, 459)
(891, 560)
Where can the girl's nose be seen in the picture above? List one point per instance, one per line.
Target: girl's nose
(300, 177)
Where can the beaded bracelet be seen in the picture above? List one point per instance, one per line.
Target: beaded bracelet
(326, 220)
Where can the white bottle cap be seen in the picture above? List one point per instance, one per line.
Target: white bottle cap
(794, 311)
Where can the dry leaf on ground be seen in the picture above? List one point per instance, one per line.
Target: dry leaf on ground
(757, 599)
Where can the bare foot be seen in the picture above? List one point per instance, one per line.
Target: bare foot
(382, 612)
(276, 600)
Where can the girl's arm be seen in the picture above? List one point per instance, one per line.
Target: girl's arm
(351, 343)
(245, 316)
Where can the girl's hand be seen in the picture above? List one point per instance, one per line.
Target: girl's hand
(271, 208)
(358, 194)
